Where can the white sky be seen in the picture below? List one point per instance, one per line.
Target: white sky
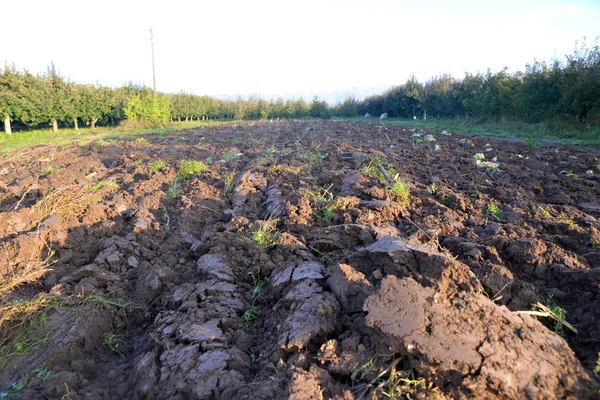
(241, 46)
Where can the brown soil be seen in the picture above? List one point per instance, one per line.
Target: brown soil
(355, 285)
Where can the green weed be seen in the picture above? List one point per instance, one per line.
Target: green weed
(187, 169)
(250, 317)
(401, 189)
(114, 343)
(321, 194)
(228, 156)
(557, 315)
(15, 388)
(568, 173)
(110, 184)
(531, 141)
(266, 236)
(173, 190)
(494, 211)
(281, 168)
(157, 166)
(257, 285)
(47, 171)
(326, 215)
(438, 193)
(229, 180)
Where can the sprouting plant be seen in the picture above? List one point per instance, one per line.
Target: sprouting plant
(391, 382)
(494, 211)
(187, 169)
(322, 194)
(438, 147)
(115, 343)
(438, 192)
(257, 285)
(253, 354)
(14, 390)
(479, 156)
(263, 160)
(326, 214)
(568, 173)
(597, 367)
(401, 189)
(271, 150)
(538, 188)
(228, 156)
(547, 308)
(229, 180)
(429, 138)
(47, 171)
(157, 166)
(173, 190)
(281, 168)
(110, 184)
(373, 166)
(359, 373)
(266, 236)
(250, 317)
(531, 141)
(589, 172)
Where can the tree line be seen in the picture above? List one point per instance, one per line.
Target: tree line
(568, 87)
(28, 100)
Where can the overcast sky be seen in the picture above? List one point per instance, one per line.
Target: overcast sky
(276, 47)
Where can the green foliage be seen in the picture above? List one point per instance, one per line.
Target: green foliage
(266, 236)
(187, 169)
(257, 285)
(250, 317)
(568, 173)
(47, 171)
(229, 180)
(145, 108)
(531, 141)
(115, 343)
(543, 91)
(319, 108)
(401, 189)
(557, 315)
(597, 367)
(102, 184)
(494, 211)
(173, 190)
(14, 390)
(157, 166)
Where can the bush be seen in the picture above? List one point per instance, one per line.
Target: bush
(145, 108)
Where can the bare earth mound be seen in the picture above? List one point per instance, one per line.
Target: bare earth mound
(291, 268)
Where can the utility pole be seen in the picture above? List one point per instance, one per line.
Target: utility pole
(153, 68)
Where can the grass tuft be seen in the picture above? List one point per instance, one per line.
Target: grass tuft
(401, 189)
(187, 169)
(266, 236)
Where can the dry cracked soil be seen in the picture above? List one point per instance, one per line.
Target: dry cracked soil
(123, 279)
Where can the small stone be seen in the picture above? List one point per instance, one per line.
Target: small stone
(132, 262)
(377, 274)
